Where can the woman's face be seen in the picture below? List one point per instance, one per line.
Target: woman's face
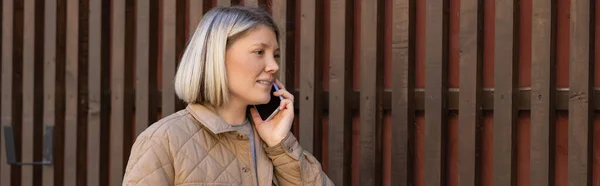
(251, 64)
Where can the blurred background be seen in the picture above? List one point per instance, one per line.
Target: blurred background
(388, 92)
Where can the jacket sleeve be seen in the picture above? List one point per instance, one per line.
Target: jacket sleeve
(149, 163)
(294, 166)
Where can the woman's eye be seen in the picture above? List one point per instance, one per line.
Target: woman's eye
(277, 56)
(259, 52)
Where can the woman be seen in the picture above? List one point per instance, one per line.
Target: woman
(228, 65)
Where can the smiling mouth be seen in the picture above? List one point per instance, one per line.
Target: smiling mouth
(264, 82)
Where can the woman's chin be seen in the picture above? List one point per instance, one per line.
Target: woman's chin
(261, 101)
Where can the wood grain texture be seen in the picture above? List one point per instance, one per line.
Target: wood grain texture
(542, 94)
(49, 78)
(144, 101)
(169, 56)
(580, 81)
(471, 56)
(435, 95)
(27, 135)
(340, 73)
(251, 3)
(195, 8)
(309, 70)
(370, 116)
(402, 87)
(94, 117)
(7, 66)
(223, 2)
(116, 158)
(279, 9)
(71, 104)
(504, 97)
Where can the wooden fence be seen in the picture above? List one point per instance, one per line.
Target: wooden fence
(389, 92)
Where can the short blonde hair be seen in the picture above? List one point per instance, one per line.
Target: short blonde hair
(201, 76)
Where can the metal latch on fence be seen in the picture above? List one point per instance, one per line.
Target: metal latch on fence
(48, 148)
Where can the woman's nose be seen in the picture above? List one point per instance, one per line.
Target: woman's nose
(272, 66)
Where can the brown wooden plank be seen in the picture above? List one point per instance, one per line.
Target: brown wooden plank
(435, 94)
(340, 89)
(470, 91)
(370, 118)
(143, 99)
(128, 68)
(82, 91)
(308, 75)
(542, 95)
(195, 8)
(17, 86)
(251, 3)
(7, 58)
(94, 93)
(169, 56)
(580, 81)
(38, 116)
(279, 9)
(403, 90)
(49, 78)
(223, 2)
(28, 91)
(504, 97)
(118, 93)
(71, 104)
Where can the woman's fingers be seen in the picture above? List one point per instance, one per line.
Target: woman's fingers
(285, 94)
(279, 84)
(285, 104)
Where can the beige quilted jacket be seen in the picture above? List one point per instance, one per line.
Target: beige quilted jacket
(196, 147)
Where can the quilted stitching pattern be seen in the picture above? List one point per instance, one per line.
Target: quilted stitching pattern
(178, 150)
(194, 151)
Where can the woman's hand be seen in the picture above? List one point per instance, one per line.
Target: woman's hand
(274, 130)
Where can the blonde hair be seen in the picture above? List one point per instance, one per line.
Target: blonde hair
(201, 76)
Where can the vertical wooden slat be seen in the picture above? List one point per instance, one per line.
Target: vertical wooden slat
(82, 92)
(223, 2)
(118, 92)
(195, 8)
(369, 100)
(402, 88)
(308, 75)
(180, 42)
(504, 81)
(280, 17)
(38, 116)
(17, 85)
(542, 94)
(580, 81)
(28, 91)
(128, 69)
(94, 93)
(106, 94)
(71, 103)
(49, 77)
(251, 3)
(142, 83)
(470, 91)
(7, 58)
(169, 56)
(340, 87)
(435, 94)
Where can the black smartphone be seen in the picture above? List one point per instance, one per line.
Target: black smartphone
(267, 111)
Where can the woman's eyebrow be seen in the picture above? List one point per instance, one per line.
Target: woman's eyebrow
(265, 45)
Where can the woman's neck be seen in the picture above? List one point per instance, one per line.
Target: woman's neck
(233, 112)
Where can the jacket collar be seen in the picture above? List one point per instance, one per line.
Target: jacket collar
(209, 119)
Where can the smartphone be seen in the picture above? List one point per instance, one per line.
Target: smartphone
(269, 110)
